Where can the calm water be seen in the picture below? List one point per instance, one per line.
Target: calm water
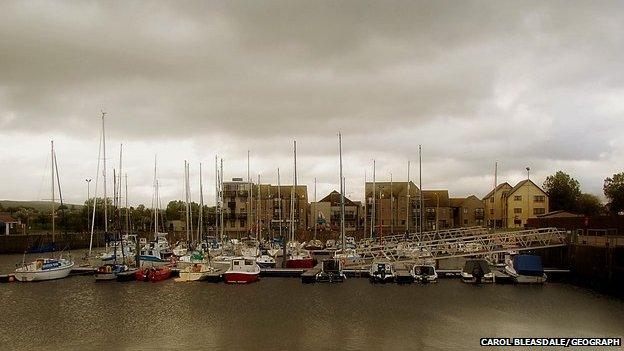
(283, 314)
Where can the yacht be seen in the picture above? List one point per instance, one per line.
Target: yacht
(109, 271)
(44, 269)
(156, 252)
(195, 272)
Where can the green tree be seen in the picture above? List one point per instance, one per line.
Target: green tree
(563, 191)
(614, 191)
(589, 205)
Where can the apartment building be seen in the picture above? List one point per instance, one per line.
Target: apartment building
(326, 212)
(467, 211)
(511, 207)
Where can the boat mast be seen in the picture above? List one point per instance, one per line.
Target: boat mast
(186, 197)
(342, 209)
(292, 194)
(127, 211)
(155, 203)
(249, 195)
(200, 223)
(221, 197)
(52, 168)
(314, 208)
(407, 204)
(391, 207)
(104, 174)
(372, 229)
(279, 204)
(190, 198)
(420, 206)
(216, 198)
(258, 208)
(365, 204)
(97, 176)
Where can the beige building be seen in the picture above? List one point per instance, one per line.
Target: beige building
(511, 207)
(467, 211)
(244, 214)
(391, 207)
(328, 213)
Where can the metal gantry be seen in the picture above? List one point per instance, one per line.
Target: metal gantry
(460, 242)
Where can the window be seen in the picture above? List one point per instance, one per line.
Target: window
(492, 199)
(518, 198)
(491, 211)
(465, 210)
(518, 210)
(465, 222)
(539, 198)
(539, 211)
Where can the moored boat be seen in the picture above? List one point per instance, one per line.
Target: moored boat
(381, 272)
(44, 269)
(109, 271)
(331, 272)
(265, 261)
(242, 271)
(525, 269)
(195, 272)
(314, 244)
(300, 259)
(424, 273)
(477, 271)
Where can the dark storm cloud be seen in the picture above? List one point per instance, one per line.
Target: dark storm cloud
(529, 82)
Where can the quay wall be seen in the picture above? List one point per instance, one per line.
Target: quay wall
(11, 244)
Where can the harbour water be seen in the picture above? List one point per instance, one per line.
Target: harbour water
(284, 314)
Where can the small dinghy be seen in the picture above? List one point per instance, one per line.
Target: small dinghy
(153, 274)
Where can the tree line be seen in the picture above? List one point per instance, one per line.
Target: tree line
(564, 193)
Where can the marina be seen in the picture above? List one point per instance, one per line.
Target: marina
(303, 316)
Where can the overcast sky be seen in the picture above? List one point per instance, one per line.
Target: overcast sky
(536, 84)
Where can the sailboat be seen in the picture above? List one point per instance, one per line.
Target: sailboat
(298, 257)
(314, 244)
(47, 268)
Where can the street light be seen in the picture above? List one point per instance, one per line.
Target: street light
(528, 169)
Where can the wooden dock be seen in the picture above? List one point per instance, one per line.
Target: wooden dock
(281, 272)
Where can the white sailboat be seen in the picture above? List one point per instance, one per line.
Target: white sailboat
(47, 268)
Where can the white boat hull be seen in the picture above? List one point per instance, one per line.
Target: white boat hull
(50, 274)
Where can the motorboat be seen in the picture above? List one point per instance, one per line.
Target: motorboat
(381, 272)
(44, 269)
(195, 272)
(331, 272)
(424, 273)
(265, 261)
(195, 257)
(109, 271)
(153, 274)
(181, 249)
(300, 259)
(330, 244)
(242, 271)
(156, 252)
(477, 271)
(525, 269)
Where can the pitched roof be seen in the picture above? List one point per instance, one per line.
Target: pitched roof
(7, 218)
(334, 199)
(498, 187)
(398, 188)
(522, 183)
(457, 201)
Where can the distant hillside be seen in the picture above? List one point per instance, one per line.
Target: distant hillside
(37, 205)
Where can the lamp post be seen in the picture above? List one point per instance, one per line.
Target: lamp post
(528, 169)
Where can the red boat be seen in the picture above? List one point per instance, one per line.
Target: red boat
(301, 259)
(242, 271)
(153, 274)
(157, 274)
